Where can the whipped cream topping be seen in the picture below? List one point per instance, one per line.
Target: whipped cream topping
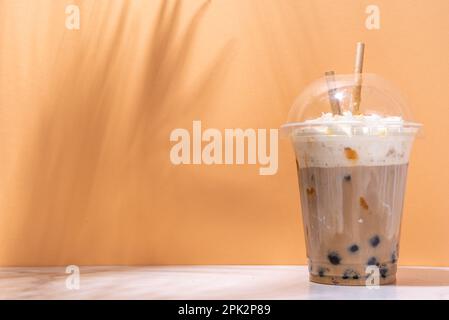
(352, 140)
(348, 124)
(348, 117)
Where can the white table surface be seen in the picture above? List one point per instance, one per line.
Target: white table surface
(210, 282)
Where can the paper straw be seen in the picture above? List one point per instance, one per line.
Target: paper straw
(357, 91)
(330, 79)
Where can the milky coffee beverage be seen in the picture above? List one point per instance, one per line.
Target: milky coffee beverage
(352, 172)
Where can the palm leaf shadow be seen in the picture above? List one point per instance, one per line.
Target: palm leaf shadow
(165, 71)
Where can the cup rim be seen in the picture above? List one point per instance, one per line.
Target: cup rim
(288, 127)
(353, 123)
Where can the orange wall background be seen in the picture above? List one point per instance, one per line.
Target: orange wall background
(85, 119)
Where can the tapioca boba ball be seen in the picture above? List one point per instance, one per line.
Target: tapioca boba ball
(353, 248)
(372, 262)
(334, 258)
(394, 257)
(374, 241)
(322, 271)
(383, 270)
(350, 274)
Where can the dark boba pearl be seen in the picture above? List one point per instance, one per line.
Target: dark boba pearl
(383, 270)
(347, 177)
(372, 262)
(334, 258)
(353, 248)
(347, 273)
(374, 241)
(394, 257)
(321, 272)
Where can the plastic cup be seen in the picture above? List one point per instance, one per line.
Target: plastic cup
(352, 174)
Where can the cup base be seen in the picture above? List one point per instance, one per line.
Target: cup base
(340, 281)
(352, 274)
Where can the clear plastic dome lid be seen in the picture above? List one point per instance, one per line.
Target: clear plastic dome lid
(353, 99)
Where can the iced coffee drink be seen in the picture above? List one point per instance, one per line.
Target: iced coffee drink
(352, 170)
